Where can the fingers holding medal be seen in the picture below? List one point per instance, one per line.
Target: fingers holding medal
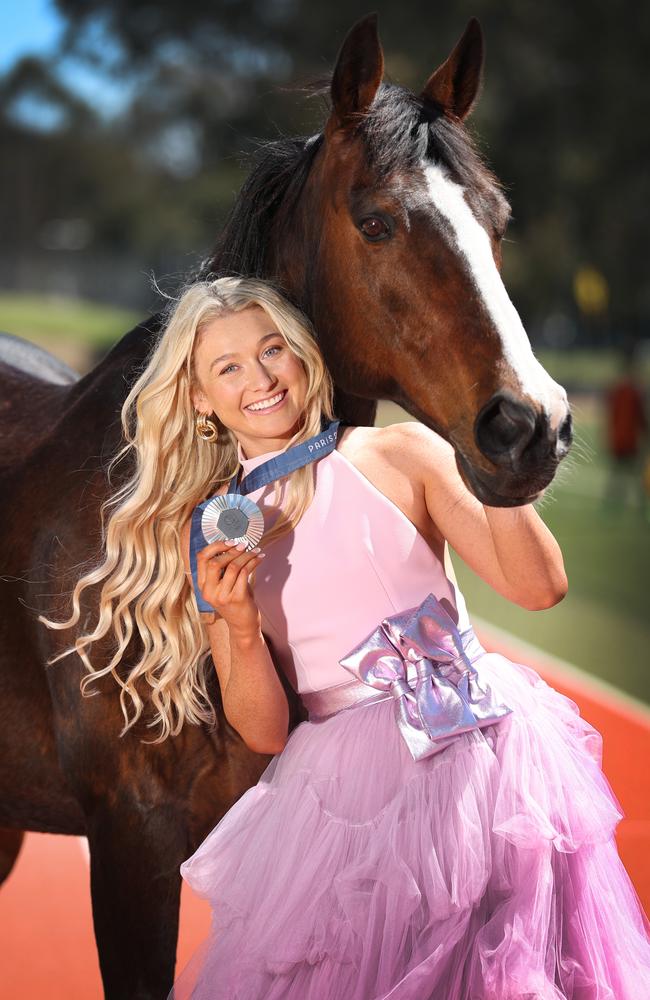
(222, 570)
(232, 525)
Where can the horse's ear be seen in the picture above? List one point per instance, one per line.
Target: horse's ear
(357, 75)
(456, 82)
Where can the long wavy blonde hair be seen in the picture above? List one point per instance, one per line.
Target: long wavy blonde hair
(144, 583)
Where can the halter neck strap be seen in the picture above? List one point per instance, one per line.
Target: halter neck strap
(315, 447)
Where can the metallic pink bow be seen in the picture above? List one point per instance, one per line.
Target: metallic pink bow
(421, 658)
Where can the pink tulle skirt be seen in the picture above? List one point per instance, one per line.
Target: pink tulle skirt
(488, 871)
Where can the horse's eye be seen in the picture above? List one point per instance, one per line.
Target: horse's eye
(374, 228)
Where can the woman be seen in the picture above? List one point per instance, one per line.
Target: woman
(440, 826)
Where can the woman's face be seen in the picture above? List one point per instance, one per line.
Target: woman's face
(242, 359)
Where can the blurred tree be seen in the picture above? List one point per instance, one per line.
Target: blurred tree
(558, 121)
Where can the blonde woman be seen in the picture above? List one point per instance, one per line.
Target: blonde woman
(440, 825)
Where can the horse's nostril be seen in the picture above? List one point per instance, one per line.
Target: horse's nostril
(503, 429)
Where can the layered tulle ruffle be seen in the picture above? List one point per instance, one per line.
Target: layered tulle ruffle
(488, 871)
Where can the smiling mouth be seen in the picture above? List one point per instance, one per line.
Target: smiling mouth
(264, 405)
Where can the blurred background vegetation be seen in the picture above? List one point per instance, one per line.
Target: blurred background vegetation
(126, 129)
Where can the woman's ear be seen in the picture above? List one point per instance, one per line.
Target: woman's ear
(200, 401)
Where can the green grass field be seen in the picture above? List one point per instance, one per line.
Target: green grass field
(602, 626)
(55, 319)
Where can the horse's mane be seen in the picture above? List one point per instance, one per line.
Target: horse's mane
(279, 171)
(399, 130)
(402, 129)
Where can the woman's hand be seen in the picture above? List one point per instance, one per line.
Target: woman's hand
(222, 571)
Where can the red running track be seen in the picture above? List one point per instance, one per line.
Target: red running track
(47, 947)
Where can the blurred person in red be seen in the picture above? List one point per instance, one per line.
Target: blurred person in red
(626, 429)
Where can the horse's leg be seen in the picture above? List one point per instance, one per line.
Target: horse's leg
(136, 849)
(10, 844)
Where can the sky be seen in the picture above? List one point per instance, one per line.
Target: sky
(34, 27)
(30, 26)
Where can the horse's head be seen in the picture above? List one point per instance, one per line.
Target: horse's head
(404, 230)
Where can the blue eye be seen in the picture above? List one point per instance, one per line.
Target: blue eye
(274, 347)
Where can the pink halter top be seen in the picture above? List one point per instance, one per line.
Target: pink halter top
(353, 559)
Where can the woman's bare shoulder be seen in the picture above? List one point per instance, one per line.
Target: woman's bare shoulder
(398, 444)
(353, 437)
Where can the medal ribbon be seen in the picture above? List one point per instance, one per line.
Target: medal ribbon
(315, 447)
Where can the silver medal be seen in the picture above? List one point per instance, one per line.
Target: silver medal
(232, 516)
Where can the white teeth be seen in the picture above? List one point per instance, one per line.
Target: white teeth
(266, 403)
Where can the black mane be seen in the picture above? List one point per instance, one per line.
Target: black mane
(402, 129)
(278, 172)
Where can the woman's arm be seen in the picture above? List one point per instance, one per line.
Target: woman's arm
(253, 698)
(510, 548)
(254, 701)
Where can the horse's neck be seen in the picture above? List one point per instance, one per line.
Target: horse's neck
(123, 360)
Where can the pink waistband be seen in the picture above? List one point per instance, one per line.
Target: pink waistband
(321, 704)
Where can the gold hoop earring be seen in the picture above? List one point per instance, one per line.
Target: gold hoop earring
(206, 429)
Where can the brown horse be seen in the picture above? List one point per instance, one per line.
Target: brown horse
(385, 228)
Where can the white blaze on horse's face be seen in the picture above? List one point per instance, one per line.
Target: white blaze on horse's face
(473, 243)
